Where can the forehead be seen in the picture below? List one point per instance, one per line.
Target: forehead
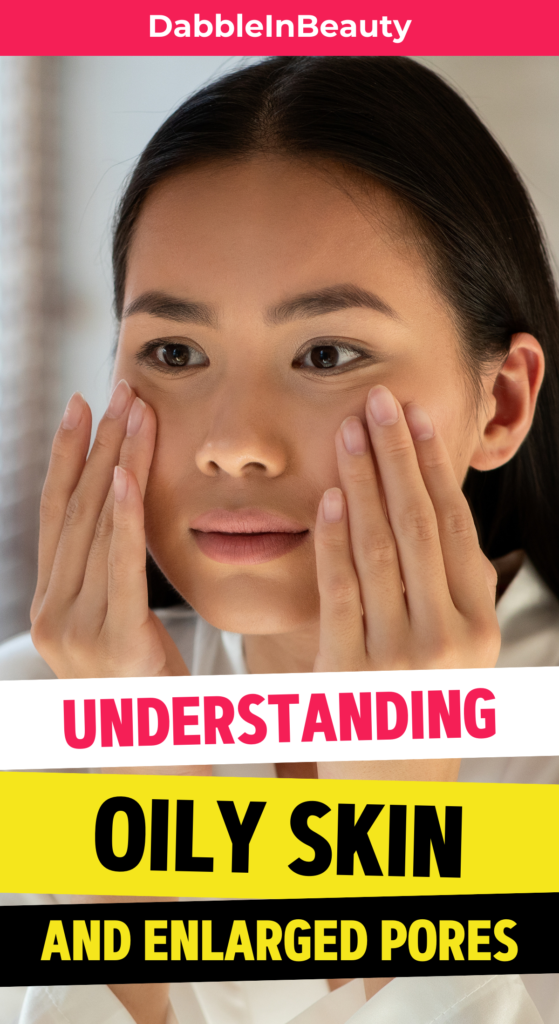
(257, 229)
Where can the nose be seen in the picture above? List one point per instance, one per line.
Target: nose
(242, 441)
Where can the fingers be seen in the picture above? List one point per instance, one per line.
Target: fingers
(491, 577)
(127, 598)
(410, 509)
(135, 455)
(404, 520)
(372, 541)
(87, 499)
(138, 446)
(470, 577)
(341, 644)
(68, 456)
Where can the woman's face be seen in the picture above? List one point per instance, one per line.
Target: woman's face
(263, 300)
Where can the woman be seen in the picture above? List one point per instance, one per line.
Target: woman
(335, 309)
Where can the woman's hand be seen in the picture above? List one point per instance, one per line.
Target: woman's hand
(90, 614)
(403, 582)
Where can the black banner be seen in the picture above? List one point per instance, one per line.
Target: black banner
(224, 940)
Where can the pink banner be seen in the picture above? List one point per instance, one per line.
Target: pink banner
(156, 27)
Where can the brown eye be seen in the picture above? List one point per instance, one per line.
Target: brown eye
(330, 357)
(178, 356)
(324, 357)
(174, 355)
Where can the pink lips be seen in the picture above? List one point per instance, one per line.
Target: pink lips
(246, 536)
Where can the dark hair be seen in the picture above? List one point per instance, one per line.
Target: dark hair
(403, 126)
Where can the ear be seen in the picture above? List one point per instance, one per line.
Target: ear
(512, 402)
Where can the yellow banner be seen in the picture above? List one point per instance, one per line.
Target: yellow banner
(148, 835)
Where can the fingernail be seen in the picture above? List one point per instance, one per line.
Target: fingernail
(120, 483)
(73, 412)
(119, 400)
(136, 417)
(333, 505)
(419, 422)
(354, 436)
(382, 406)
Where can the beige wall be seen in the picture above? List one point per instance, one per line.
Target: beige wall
(518, 99)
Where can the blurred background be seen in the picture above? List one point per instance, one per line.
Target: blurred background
(70, 131)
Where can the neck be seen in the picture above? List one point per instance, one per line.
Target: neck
(282, 652)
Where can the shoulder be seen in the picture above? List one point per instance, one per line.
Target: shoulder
(461, 1000)
(20, 660)
(528, 615)
(205, 649)
(72, 1004)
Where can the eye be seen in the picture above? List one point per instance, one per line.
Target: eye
(177, 355)
(329, 356)
(168, 354)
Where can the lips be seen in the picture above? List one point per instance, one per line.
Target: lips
(246, 536)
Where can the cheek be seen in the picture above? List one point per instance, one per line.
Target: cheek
(171, 482)
(460, 432)
(316, 451)
(440, 385)
(170, 477)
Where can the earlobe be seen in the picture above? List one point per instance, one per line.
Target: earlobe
(514, 395)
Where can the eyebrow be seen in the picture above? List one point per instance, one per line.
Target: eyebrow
(304, 306)
(167, 307)
(329, 300)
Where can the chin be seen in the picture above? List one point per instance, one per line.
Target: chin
(255, 607)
